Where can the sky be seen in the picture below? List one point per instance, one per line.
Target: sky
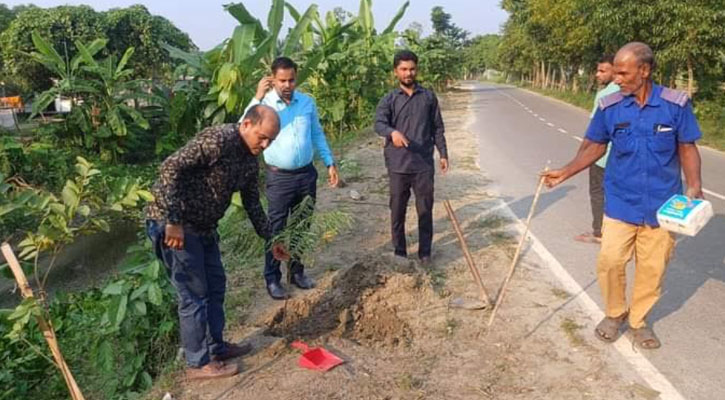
(208, 24)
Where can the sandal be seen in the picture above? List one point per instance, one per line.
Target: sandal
(608, 329)
(645, 338)
(588, 238)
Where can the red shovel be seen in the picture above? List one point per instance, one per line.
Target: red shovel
(317, 358)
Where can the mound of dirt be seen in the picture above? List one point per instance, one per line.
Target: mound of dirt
(367, 303)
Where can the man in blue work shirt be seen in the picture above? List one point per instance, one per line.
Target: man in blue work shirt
(290, 175)
(653, 133)
(605, 77)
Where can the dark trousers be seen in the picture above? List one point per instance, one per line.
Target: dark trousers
(596, 197)
(400, 186)
(198, 276)
(286, 190)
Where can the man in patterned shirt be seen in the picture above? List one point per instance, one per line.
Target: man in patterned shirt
(194, 190)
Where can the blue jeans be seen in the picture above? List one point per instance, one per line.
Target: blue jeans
(285, 190)
(198, 275)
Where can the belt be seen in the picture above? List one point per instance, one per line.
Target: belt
(306, 168)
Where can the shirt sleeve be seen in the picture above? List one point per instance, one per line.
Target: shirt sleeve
(319, 141)
(201, 151)
(688, 131)
(439, 129)
(384, 117)
(253, 207)
(597, 130)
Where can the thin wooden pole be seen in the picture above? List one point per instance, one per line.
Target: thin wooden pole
(502, 293)
(466, 253)
(45, 326)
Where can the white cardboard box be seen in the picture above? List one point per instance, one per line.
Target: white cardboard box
(682, 215)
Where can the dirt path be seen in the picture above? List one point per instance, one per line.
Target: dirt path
(392, 324)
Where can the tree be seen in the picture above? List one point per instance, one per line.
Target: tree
(481, 54)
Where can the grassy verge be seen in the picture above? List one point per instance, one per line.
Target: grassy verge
(710, 113)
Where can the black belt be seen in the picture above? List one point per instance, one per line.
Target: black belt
(306, 168)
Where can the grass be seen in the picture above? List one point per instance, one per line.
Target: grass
(490, 222)
(571, 329)
(560, 293)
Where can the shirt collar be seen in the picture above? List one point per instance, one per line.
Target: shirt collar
(653, 100)
(416, 88)
(274, 98)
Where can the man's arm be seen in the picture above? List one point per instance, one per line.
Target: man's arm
(691, 165)
(439, 130)
(319, 141)
(384, 123)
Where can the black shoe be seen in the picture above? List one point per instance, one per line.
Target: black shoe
(302, 281)
(276, 291)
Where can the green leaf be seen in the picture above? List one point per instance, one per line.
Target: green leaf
(47, 50)
(84, 210)
(70, 194)
(242, 42)
(139, 307)
(105, 358)
(397, 18)
(238, 11)
(114, 288)
(117, 310)
(124, 60)
(275, 16)
(365, 17)
(155, 295)
(293, 38)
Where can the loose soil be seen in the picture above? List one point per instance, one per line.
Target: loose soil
(390, 321)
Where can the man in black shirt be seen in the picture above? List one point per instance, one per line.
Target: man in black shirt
(409, 119)
(191, 195)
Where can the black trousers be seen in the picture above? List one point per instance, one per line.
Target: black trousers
(285, 190)
(400, 186)
(596, 197)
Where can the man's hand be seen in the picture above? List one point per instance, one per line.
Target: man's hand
(694, 193)
(174, 236)
(279, 252)
(554, 177)
(444, 165)
(399, 140)
(334, 177)
(263, 87)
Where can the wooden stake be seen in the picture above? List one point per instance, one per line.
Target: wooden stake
(466, 253)
(45, 326)
(502, 293)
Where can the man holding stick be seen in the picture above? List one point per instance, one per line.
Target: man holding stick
(653, 132)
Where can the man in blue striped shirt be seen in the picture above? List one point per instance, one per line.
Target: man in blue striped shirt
(291, 177)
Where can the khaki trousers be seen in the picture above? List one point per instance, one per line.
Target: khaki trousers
(652, 249)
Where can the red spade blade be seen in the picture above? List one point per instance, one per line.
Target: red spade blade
(317, 358)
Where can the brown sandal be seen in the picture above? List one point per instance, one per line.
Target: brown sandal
(645, 338)
(608, 329)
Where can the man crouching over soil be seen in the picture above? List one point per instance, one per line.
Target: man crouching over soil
(194, 190)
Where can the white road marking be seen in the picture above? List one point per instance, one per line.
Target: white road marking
(562, 130)
(542, 119)
(714, 194)
(536, 115)
(550, 124)
(641, 364)
(577, 138)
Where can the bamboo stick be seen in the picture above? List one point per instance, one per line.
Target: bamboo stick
(45, 326)
(467, 253)
(502, 293)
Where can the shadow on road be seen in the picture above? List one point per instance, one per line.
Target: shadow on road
(697, 260)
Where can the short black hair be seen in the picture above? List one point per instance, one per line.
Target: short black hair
(283, 63)
(606, 59)
(404, 55)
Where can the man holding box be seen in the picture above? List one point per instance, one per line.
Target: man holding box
(653, 132)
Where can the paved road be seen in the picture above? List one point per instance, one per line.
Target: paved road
(518, 132)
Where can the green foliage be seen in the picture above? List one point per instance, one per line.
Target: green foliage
(116, 338)
(63, 26)
(481, 54)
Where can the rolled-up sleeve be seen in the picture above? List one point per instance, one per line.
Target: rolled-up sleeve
(383, 117)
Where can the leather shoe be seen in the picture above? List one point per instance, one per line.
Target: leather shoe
(276, 291)
(232, 350)
(302, 281)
